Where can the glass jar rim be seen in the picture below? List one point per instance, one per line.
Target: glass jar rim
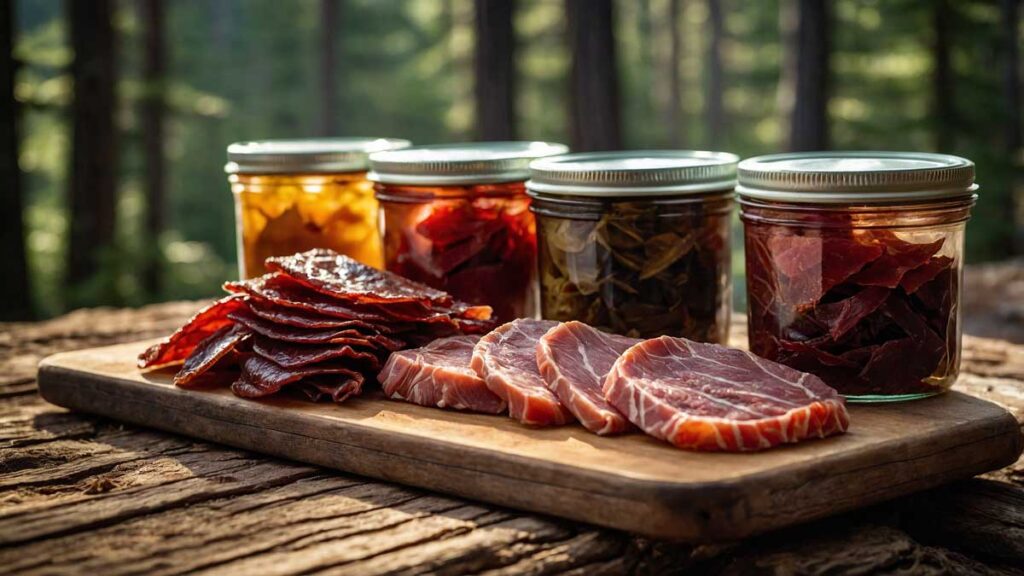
(855, 177)
(310, 156)
(463, 163)
(634, 173)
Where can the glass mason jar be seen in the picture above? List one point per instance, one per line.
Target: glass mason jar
(637, 243)
(456, 217)
(854, 267)
(295, 195)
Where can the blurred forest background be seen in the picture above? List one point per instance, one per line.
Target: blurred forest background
(115, 113)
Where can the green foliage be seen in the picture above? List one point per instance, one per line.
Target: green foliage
(249, 69)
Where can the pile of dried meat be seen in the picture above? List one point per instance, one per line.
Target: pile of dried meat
(318, 323)
(544, 373)
(869, 312)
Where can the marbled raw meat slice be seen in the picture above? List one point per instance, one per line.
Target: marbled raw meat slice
(350, 336)
(438, 374)
(506, 358)
(176, 347)
(342, 277)
(574, 358)
(290, 355)
(209, 352)
(261, 377)
(709, 397)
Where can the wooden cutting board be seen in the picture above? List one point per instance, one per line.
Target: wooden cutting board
(632, 482)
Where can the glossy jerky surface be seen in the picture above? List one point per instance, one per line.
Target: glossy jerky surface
(640, 268)
(283, 214)
(176, 347)
(709, 397)
(476, 242)
(860, 299)
(291, 355)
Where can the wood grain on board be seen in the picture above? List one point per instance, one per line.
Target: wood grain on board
(632, 483)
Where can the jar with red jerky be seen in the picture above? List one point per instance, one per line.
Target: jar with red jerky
(456, 217)
(295, 195)
(854, 267)
(637, 242)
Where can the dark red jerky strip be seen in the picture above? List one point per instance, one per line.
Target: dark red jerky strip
(281, 290)
(301, 318)
(261, 377)
(210, 352)
(331, 273)
(338, 390)
(291, 355)
(810, 266)
(842, 316)
(914, 279)
(899, 258)
(351, 336)
(176, 347)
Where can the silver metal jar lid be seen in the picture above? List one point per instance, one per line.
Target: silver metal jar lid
(634, 173)
(317, 155)
(457, 164)
(855, 177)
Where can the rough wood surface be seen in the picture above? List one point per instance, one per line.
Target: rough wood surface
(88, 495)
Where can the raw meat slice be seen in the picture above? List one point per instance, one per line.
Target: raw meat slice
(176, 347)
(709, 397)
(289, 355)
(351, 336)
(342, 277)
(506, 358)
(574, 359)
(438, 374)
(210, 351)
(261, 377)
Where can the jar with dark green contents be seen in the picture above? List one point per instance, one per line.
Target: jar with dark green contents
(636, 243)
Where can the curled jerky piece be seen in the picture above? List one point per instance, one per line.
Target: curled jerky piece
(438, 374)
(261, 377)
(354, 336)
(209, 352)
(290, 355)
(342, 277)
(709, 397)
(506, 359)
(574, 359)
(176, 347)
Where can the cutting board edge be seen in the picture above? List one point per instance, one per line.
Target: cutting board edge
(707, 511)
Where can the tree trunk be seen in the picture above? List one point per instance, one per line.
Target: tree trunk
(495, 70)
(328, 67)
(1011, 91)
(594, 91)
(716, 84)
(675, 97)
(15, 302)
(153, 109)
(943, 113)
(93, 179)
(809, 24)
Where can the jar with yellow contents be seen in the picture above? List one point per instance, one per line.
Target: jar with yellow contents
(294, 195)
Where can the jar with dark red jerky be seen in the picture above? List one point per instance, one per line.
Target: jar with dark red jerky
(637, 243)
(295, 195)
(854, 266)
(456, 217)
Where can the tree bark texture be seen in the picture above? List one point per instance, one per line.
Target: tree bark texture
(810, 46)
(593, 84)
(329, 24)
(153, 111)
(715, 111)
(92, 182)
(495, 69)
(15, 301)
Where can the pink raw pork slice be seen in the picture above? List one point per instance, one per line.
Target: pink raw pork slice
(573, 358)
(438, 374)
(709, 397)
(506, 358)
